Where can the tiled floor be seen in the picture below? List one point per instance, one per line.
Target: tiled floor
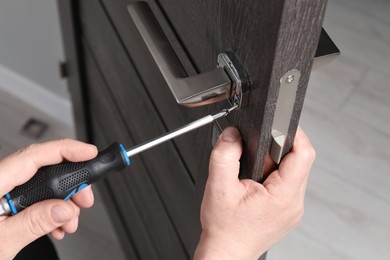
(346, 115)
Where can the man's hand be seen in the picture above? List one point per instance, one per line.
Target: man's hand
(242, 219)
(56, 217)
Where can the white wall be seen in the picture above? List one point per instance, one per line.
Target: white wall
(30, 49)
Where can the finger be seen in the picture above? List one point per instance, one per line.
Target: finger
(16, 168)
(34, 222)
(295, 166)
(71, 226)
(58, 234)
(84, 198)
(225, 158)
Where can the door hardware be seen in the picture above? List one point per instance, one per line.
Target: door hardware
(283, 112)
(326, 52)
(227, 81)
(239, 77)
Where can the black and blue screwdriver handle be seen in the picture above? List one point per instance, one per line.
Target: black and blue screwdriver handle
(62, 181)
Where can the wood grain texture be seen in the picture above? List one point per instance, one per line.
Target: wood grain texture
(283, 37)
(268, 38)
(294, 48)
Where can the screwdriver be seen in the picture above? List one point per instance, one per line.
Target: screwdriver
(62, 181)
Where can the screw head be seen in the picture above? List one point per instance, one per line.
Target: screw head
(290, 78)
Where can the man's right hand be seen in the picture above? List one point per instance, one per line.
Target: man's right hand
(242, 219)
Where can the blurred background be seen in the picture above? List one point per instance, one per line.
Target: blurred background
(346, 115)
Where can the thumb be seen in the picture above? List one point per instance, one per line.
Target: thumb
(35, 221)
(224, 164)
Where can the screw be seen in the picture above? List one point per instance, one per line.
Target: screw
(290, 78)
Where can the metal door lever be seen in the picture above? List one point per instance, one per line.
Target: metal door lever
(227, 81)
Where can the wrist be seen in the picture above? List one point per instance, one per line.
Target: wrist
(222, 247)
(210, 249)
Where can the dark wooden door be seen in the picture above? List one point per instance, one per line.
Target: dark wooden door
(120, 95)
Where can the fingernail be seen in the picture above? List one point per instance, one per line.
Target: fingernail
(230, 135)
(59, 214)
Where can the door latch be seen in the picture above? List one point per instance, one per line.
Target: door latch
(283, 112)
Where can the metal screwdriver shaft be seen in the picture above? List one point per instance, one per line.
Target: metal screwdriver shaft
(182, 130)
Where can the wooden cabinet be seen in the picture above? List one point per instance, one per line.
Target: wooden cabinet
(120, 95)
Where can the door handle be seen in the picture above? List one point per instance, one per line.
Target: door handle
(227, 81)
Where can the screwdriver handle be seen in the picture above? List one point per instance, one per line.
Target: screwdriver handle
(62, 181)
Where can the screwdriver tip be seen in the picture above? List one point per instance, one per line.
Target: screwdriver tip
(224, 112)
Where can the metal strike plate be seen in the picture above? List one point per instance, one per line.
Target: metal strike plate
(284, 109)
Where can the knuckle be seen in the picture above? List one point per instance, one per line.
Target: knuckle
(66, 140)
(309, 154)
(77, 211)
(27, 149)
(35, 225)
(63, 142)
(69, 141)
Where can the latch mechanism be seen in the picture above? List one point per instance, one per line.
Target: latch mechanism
(283, 112)
(239, 78)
